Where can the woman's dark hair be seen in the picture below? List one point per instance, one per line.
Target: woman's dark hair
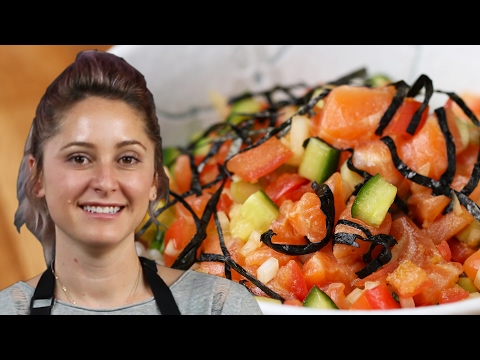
(93, 73)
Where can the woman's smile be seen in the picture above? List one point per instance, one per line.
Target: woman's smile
(102, 209)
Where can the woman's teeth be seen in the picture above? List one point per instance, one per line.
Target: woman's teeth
(102, 209)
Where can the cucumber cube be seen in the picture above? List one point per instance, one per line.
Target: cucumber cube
(374, 200)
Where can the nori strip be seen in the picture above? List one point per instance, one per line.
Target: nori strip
(188, 255)
(308, 108)
(469, 204)
(383, 240)
(474, 178)
(437, 187)
(195, 185)
(458, 100)
(356, 226)
(447, 177)
(230, 263)
(422, 81)
(400, 94)
(347, 239)
(383, 257)
(328, 208)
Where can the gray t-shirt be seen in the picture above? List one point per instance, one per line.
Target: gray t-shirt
(195, 293)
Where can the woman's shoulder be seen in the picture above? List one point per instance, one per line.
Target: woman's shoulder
(15, 299)
(224, 296)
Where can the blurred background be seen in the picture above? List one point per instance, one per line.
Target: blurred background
(25, 73)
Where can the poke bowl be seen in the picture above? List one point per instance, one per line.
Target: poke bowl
(328, 179)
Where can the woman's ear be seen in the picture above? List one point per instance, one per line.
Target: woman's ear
(153, 188)
(38, 189)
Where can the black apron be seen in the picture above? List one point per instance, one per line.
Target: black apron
(44, 291)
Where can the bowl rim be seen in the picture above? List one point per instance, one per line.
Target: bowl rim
(469, 306)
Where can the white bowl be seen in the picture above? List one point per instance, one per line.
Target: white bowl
(465, 307)
(181, 78)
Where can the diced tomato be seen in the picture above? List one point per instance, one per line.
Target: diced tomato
(453, 294)
(444, 250)
(378, 298)
(224, 203)
(460, 251)
(361, 303)
(209, 172)
(182, 173)
(252, 164)
(280, 189)
(289, 282)
(223, 152)
(472, 265)
(403, 117)
(180, 233)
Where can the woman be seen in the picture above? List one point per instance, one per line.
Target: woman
(92, 168)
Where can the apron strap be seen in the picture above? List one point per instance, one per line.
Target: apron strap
(162, 293)
(42, 299)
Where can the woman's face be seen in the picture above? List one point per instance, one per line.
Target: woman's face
(98, 174)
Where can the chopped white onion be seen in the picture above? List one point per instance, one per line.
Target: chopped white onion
(171, 250)
(224, 222)
(457, 209)
(354, 295)
(407, 303)
(252, 243)
(267, 270)
(371, 284)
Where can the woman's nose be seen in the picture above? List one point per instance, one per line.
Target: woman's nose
(105, 178)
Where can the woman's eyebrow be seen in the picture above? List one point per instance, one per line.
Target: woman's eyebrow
(91, 146)
(77, 143)
(130, 142)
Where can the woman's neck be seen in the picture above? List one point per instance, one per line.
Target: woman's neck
(102, 280)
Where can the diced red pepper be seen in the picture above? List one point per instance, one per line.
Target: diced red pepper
(252, 164)
(377, 298)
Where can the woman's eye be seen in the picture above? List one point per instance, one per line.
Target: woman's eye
(128, 160)
(78, 159)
